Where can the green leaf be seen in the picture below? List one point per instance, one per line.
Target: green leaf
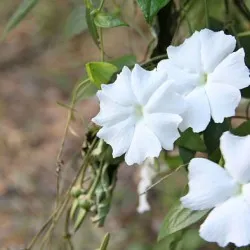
(107, 20)
(128, 60)
(170, 242)
(100, 72)
(192, 141)
(243, 129)
(186, 154)
(151, 7)
(23, 9)
(243, 248)
(245, 43)
(245, 92)
(212, 136)
(179, 218)
(92, 27)
(76, 22)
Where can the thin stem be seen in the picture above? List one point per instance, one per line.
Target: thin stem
(156, 58)
(60, 209)
(206, 13)
(101, 44)
(187, 6)
(163, 178)
(95, 183)
(247, 110)
(35, 238)
(67, 234)
(101, 5)
(240, 117)
(59, 161)
(190, 29)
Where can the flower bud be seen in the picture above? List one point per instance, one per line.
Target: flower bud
(84, 202)
(76, 191)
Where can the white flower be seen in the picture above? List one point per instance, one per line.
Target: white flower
(147, 174)
(226, 190)
(139, 114)
(209, 74)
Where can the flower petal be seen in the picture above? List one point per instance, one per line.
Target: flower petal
(184, 81)
(197, 115)
(215, 46)
(232, 70)
(145, 82)
(223, 100)
(209, 185)
(229, 222)
(147, 173)
(120, 91)
(235, 150)
(166, 100)
(110, 112)
(165, 127)
(144, 144)
(119, 136)
(246, 192)
(187, 55)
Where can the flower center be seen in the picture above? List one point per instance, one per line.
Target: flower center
(203, 79)
(138, 111)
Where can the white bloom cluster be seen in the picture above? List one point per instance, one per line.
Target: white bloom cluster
(139, 114)
(209, 74)
(143, 111)
(227, 190)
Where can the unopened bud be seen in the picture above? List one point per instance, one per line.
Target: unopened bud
(84, 202)
(76, 191)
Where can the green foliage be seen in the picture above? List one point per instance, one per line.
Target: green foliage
(186, 154)
(76, 22)
(243, 129)
(100, 72)
(92, 27)
(187, 239)
(179, 218)
(245, 92)
(170, 242)
(106, 20)
(191, 141)
(128, 60)
(212, 136)
(150, 8)
(23, 9)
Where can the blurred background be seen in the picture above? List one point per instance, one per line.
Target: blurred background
(40, 62)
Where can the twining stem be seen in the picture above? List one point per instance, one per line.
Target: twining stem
(247, 110)
(94, 185)
(67, 234)
(156, 58)
(240, 117)
(101, 44)
(101, 5)
(59, 161)
(163, 178)
(60, 209)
